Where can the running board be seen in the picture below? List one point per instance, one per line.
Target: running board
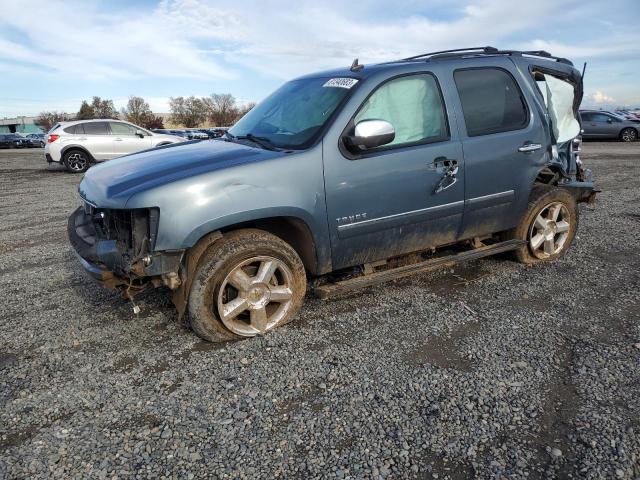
(332, 289)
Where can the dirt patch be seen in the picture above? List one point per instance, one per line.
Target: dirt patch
(443, 350)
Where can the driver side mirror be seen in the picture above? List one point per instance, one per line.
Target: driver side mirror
(140, 133)
(370, 134)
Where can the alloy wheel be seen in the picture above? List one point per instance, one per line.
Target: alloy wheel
(550, 230)
(77, 161)
(255, 296)
(629, 135)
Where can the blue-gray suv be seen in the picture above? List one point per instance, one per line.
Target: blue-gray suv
(344, 179)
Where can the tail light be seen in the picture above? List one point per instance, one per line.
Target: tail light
(52, 138)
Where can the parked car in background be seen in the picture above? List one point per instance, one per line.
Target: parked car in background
(598, 124)
(13, 140)
(197, 135)
(174, 132)
(80, 143)
(436, 158)
(629, 115)
(36, 139)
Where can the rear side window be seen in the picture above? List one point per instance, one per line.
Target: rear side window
(96, 128)
(413, 105)
(491, 101)
(75, 129)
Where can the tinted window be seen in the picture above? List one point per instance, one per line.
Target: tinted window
(412, 104)
(491, 101)
(585, 116)
(75, 129)
(96, 128)
(602, 118)
(118, 128)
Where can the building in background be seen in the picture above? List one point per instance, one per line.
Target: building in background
(19, 125)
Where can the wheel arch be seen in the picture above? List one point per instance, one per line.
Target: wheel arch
(66, 149)
(630, 127)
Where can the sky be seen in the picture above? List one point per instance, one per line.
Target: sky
(54, 54)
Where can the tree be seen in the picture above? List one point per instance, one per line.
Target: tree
(243, 110)
(46, 120)
(221, 108)
(153, 121)
(137, 111)
(86, 112)
(188, 112)
(97, 109)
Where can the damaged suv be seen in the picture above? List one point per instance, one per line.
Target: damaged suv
(344, 179)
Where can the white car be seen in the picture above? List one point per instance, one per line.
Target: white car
(78, 144)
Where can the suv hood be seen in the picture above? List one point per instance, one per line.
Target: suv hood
(111, 184)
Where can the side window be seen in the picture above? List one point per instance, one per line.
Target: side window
(118, 128)
(586, 117)
(96, 128)
(75, 129)
(413, 105)
(600, 118)
(491, 101)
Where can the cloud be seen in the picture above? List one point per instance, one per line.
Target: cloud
(598, 97)
(132, 47)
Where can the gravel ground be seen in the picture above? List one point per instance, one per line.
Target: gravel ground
(491, 369)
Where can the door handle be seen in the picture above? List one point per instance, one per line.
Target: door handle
(82, 138)
(442, 162)
(529, 147)
(118, 139)
(449, 178)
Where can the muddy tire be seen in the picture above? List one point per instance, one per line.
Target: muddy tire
(548, 226)
(629, 135)
(76, 161)
(246, 284)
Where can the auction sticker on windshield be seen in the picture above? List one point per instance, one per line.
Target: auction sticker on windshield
(344, 82)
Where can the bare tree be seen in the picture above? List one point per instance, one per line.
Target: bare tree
(188, 112)
(243, 110)
(137, 111)
(221, 109)
(153, 121)
(46, 120)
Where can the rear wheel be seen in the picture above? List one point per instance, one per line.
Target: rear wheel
(76, 161)
(549, 225)
(248, 283)
(628, 135)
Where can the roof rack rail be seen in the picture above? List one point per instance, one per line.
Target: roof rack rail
(480, 51)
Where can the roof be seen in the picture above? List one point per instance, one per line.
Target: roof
(539, 57)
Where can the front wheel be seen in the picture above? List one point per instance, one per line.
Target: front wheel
(628, 135)
(549, 226)
(248, 283)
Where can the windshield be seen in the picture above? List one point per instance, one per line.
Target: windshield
(294, 115)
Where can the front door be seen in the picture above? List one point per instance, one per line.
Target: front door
(126, 141)
(383, 202)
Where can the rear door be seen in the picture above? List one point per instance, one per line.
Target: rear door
(126, 141)
(97, 139)
(504, 144)
(383, 202)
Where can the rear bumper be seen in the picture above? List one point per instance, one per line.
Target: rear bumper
(48, 158)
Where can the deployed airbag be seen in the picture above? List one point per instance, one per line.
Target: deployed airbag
(559, 98)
